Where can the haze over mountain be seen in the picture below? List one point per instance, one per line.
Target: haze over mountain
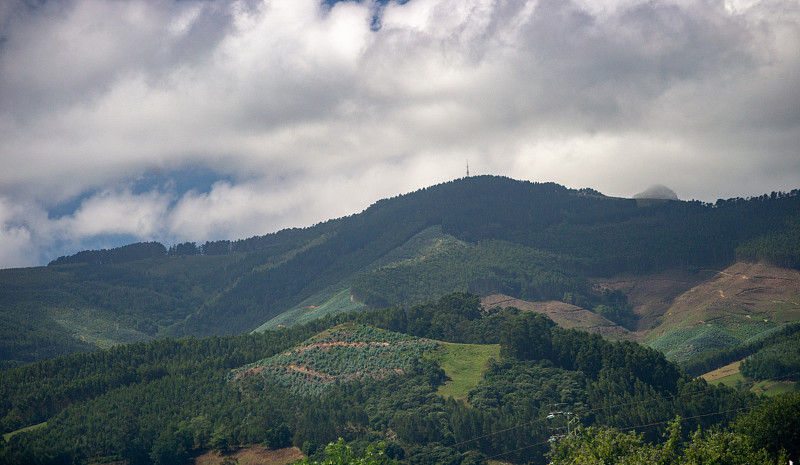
(657, 192)
(199, 121)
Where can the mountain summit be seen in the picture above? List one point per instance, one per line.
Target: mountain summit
(657, 192)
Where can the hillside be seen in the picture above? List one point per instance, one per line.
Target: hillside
(565, 315)
(536, 242)
(687, 314)
(684, 315)
(337, 356)
(164, 401)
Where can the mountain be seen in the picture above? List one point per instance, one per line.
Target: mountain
(536, 242)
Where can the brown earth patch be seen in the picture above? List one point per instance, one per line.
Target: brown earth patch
(249, 372)
(727, 370)
(674, 299)
(564, 314)
(652, 295)
(328, 345)
(741, 291)
(255, 455)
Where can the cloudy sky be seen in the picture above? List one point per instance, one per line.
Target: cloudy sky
(124, 121)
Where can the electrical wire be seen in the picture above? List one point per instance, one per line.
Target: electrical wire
(617, 406)
(631, 428)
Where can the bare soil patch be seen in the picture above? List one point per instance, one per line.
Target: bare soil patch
(741, 292)
(652, 295)
(255, 455)
(719, 373)
(564, 314)
(679, 299)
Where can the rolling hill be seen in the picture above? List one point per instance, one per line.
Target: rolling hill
(441, 382)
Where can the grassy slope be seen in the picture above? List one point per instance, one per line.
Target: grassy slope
(729, 376)
(338, 298)
(463, 364)
(8, 436)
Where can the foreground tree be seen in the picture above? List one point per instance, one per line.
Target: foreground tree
(775, 425)
(601, 446)
(339, 453)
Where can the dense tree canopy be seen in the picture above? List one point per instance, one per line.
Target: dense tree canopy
(158, 402)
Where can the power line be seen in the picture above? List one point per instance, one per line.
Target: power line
(617, 406)
(597, 409)
(630, 428)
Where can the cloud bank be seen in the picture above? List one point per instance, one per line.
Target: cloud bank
(175, 121)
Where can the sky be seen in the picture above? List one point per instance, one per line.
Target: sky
(140, 120)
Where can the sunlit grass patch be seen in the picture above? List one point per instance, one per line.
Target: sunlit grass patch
(463, 364)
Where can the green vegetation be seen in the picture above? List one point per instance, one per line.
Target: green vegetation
(159, 402)
(488, 267)
(331, 301)
(720, 357)
(767, 434)
(339, 453)
(479, 234)
(780, 248)
(597, 446)
(8, 436)
(463, 365)
(684, 344)
(780, 359)
(339, 355)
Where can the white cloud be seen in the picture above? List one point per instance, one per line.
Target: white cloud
(308, 113)
(17, 248)
(112, 212)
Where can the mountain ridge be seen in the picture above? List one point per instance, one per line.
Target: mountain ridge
(486, 234)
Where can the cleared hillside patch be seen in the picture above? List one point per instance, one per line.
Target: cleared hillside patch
(8, 436)
(331, 301)
(565, 315)
(730, 376)
(339, 355)
(255, 455)
(743, 303)
(718, 375)
(463, 364)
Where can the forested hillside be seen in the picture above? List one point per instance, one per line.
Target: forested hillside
(163, 401)
(533, 241)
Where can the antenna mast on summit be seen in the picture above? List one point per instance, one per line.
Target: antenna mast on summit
(467, 167)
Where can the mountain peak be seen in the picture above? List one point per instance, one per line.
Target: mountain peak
(657, 192)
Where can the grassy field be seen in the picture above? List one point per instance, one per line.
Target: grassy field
(463, 364)
(773, 388)
(8, 436)
(723, 373)
(729, 376)
(333, 300)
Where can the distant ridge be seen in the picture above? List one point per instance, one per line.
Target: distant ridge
(487, 235)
